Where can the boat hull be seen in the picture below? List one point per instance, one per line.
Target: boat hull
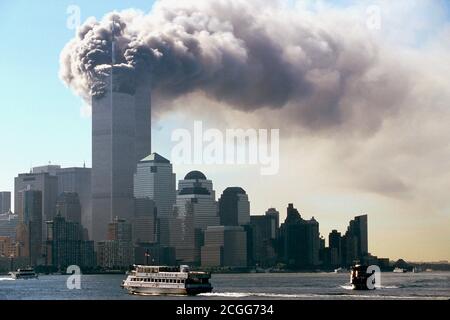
(158, 291)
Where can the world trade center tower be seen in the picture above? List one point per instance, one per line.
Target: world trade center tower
(121, 137)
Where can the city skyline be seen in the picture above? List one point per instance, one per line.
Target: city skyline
(319, 178)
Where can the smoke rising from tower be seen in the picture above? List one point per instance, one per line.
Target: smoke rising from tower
(248, 55)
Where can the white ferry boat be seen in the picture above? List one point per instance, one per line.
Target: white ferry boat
(163, 280)
(27, 273)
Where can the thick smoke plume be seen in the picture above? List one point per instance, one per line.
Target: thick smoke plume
(248, 56)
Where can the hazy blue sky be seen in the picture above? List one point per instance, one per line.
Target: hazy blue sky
(41, 119)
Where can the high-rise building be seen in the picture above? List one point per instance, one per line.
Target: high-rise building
(78, 180)
(68, 206)
(8, 225)
(234, 207)
(300, 240)
(195, 210)
(355, 241)
(154, 179)
(5, 201)
(265, 231)
(144, 225)
(117, 251)
(335, 248)
(32, 222)
(121, 137)
(225, 246)
(66, 246)
(275, 218)
(50, 169)
(7, 248)
(44, 182)
(74, 180)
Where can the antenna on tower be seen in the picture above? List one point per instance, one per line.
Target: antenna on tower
(113, 60)
(113, 39)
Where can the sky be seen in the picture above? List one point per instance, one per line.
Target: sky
(389, 161)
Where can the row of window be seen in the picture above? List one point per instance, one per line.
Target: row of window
(158, 280)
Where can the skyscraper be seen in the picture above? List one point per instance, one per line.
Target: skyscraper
(74, 179)
(68, 206)
(78, 180)
(65, 245)
(32, 220)
(155, 180)
(195, 210)
(117, 251)
(225, 246)
(120, 138)
(234, 207)
(8, 225)
(44, 182)
(300, 240)
(335, 248)
(5, 201)
(265, 231)
(355, 241)
(144, 223)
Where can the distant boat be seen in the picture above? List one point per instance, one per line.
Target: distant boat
(417, 269)
(359, 278)
(400, 270)
(27, 273)
(340, 270)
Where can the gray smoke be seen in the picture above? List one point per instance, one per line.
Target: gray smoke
(320, 75)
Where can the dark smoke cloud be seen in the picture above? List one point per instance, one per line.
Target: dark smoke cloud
(320, 74)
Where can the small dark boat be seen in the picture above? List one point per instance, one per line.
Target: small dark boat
(359, 278)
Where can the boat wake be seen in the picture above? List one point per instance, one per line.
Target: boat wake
(7, 279)
(258, 294)
(349, 287)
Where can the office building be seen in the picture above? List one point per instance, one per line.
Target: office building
(8, 225)
(117, 252)
(7, 248)
(335, 248)
(5, 202)
(65, 245)
(144, 225)
(45, 183)
(155, 180)
(68, 206)
(355, 241)
(224, 246)
(195, 210)
(264, 234)
(300, 240)
(29, 233)
(121, 137)
(78, 180)
(234, 207)
(73, 180)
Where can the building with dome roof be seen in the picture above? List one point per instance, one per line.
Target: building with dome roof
(234, 207)
(195, 210)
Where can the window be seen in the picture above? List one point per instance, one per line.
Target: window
(153, 169)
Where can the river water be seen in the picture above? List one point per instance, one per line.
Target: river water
(285, 286)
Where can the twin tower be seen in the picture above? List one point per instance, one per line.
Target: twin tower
(121, 137)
